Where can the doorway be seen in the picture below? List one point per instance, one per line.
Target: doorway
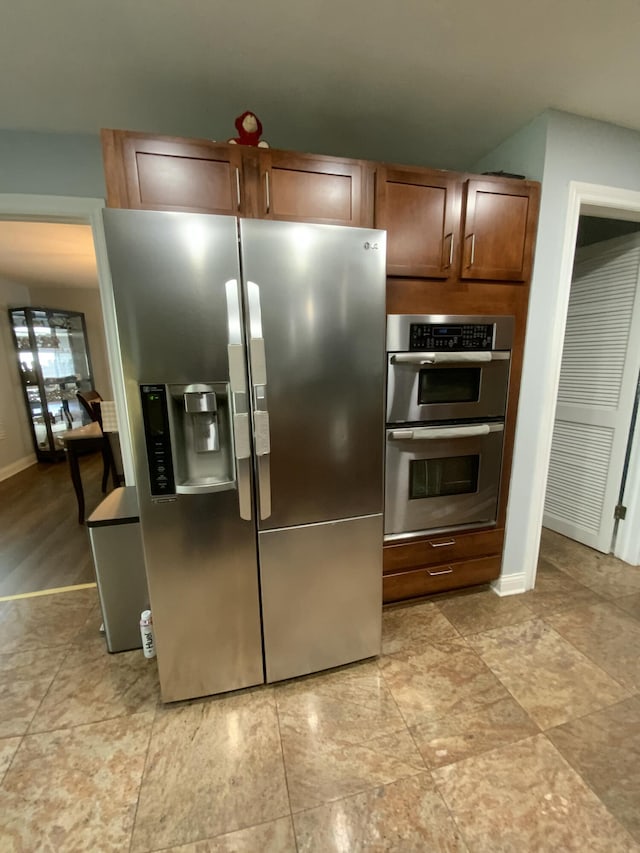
(44, 547)
(563, 201)
(598, 381)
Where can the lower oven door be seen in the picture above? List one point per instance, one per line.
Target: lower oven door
(442, 476)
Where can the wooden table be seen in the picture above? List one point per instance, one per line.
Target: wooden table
(78, 442)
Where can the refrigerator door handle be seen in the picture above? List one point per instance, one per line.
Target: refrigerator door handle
(239, 404)
(262, 435)
(263, 450)
(242, 442)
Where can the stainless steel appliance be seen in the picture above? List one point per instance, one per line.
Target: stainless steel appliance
(447, 386)
(445, 368)
(253, 354)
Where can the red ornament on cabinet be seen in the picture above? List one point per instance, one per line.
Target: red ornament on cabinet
(249, 130)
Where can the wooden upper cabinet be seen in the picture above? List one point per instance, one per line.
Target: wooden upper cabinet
(310, 188)
(440, 225)
(420, 210)
(499, 230)
(164, 173)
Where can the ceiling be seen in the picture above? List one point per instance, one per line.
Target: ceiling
(43, 254)
(439, 82)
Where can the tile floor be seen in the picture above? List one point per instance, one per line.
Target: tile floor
(488, 724)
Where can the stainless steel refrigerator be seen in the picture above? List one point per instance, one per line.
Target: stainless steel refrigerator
(253, 355)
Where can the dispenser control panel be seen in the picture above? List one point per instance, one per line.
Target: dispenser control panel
(157, 439)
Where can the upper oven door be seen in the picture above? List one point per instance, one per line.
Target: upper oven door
(445, 386)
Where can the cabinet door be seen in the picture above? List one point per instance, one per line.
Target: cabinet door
(309, 188)
(164, 173)
(499, 229)
(420, 210)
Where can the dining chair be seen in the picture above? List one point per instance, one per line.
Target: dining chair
(90, 402)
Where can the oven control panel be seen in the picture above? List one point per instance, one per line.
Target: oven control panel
(441, 336)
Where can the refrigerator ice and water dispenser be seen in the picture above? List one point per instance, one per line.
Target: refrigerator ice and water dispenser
(188, 437)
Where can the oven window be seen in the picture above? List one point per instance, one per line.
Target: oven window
(436, 478)
(449, 385)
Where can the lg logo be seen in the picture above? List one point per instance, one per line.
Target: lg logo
(369, 245)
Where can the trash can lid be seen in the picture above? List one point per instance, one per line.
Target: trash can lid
(119, 507)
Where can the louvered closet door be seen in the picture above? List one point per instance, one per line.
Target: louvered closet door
(598, 376)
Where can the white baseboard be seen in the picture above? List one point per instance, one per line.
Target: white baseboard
(17, 466)
(510, 584)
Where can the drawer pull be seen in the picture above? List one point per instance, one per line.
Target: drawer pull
(442, 544)
(448, 571)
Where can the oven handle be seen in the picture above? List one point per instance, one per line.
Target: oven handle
(448, 357)
(433, 433)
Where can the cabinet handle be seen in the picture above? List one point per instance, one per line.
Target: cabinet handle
(447, 571)
(442, 544)
(238, 186)
(266, 192)
(473, 250)
(451, 251)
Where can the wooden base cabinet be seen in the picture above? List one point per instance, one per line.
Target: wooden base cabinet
(398, 586)
(437, 563)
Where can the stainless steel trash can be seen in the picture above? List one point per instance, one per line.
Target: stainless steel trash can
(116, 545)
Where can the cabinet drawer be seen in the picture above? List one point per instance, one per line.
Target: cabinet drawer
(424, 581)
(442, 548)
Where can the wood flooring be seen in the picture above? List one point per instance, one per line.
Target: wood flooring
(42, 546)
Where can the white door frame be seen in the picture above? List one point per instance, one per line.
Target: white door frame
(84, 211)
(627, 543)
(612, 203)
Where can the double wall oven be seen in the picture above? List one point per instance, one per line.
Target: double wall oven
(447, 388)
